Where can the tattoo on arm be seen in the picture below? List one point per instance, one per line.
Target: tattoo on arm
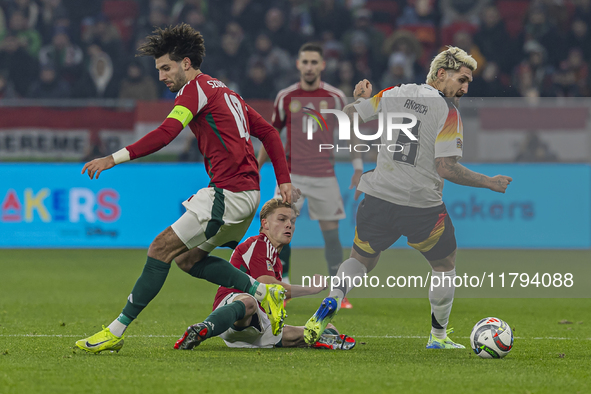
(449, 168)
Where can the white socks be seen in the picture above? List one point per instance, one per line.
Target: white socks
(441, 298)
(117, 328)
(350, 269)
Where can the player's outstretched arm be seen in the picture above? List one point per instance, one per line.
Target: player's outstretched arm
(449, 168)
(96, 166)
(293, 291)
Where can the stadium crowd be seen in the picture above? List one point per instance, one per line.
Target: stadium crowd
(53, 49)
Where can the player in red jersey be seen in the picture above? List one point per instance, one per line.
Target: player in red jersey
(218, 215)
(237, 317)
(312, 171)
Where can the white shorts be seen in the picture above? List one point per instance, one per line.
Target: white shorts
(323, 194)
(250, 337)
(216, 217)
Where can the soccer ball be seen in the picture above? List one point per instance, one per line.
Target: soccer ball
(491, 338)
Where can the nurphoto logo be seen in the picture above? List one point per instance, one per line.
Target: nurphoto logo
(392, 120)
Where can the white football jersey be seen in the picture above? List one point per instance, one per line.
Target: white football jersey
(406, 175)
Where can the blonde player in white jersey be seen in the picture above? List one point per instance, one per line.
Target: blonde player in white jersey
(403, 195)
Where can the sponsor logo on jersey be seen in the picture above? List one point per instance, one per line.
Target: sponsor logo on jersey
(459, 143)
(269, 265)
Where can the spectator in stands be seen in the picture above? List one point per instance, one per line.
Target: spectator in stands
(196, 18)
(579, 37)
(157, 17)
(180, 7)
(7, 90)
(52, 13)
(406, 43)
(534, 72)
(418, 13)
(247, 13)
(360, 56)
(397, 72)
(103, 33)
(232, 85)
(65, 57)
(279, 33)
(257, 84)
(277, 61)
(363, 30)
(489, 84)
(539, 28)
(333, 53)
(2, 22)
(571, 78)
(232, 58)
(583, 10)
(466, 11)
(463, 39)
(98, 81)
(331, 16)
(49, 85)
(28, 8)
(346, 78)
(300, 19)
(137, 85)
(534, 149)
(22, 68)
(494, 41)
(28, 38)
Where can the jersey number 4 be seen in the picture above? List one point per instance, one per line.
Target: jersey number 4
(406, 149)
(236, 109)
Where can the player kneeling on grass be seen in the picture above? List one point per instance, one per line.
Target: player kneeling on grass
(237, 316)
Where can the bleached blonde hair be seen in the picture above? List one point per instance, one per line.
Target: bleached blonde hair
(453, 58)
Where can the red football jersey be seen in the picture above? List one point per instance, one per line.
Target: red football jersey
(256, 257)
(220, 123)
(223, 124)
(303, 155)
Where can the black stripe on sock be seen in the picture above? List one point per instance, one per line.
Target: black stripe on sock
(435, 323)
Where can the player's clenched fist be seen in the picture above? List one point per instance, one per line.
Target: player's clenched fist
(362, 89)
(499, 183)
(98, 165)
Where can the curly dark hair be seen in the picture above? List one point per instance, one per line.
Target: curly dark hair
(178, 42)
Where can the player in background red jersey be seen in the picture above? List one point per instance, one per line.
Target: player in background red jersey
(237, 317)
(312, 171)
(218, 215)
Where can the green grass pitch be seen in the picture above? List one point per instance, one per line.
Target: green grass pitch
(51, 298)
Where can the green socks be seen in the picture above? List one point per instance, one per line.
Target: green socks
(146, 288)
(224, 317)
(217, 270)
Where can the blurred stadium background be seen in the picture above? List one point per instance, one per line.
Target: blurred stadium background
(72, 90)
